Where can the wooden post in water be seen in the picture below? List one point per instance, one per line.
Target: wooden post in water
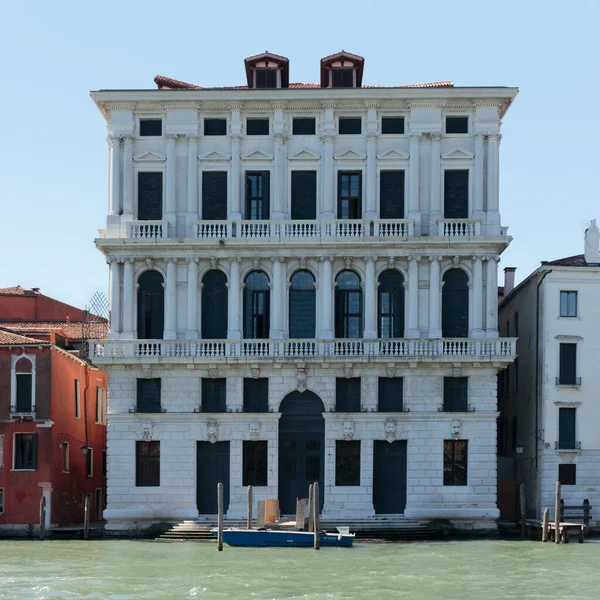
(43, 518)
(249, 521)
(557, 514)
(315, 490)
(310, 508)
(86, 517)
(586, 513)
(545, 521)
(523, 502)
(220, 517)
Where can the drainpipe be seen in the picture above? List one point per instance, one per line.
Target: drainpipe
(537, 367)
(85, 412)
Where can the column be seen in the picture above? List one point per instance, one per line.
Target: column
(478, 178)
(491, 314)
(192, 180)
(276, 330)
(278, 210)
(192, 300)
(114, 175)
(413, 298)
(234, 330)
(235, 210)
(325, 285)
(128, 203)
(435, 194)
(115, 297)
(371, 204)
(171, 300)
(128, 298)
(493, 216)
(477, 291)
(170, 204)
(413, 194)
(370, 287)
(435, 297)
(328, 202)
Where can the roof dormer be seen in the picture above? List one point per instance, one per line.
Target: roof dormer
(342, 70)
(267, 71)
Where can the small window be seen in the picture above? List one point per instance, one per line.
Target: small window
(65, 457)
(568, 304)
(303, 126)
(89, 462)
(457, 124)
(25, 451)
(257, 126)
(392, 125)
(256, 395)
(1, 501)
(77, 398)
(150, 127)
(567, 374)
(148, 396)
(347, 394)
(104, 464)
(342, 78)
(455, 462)
(255, 463)
(347, 462)
(147, 464)
(214, 398)
(567, 474)
(215, 126)
(265, 78)
(456, 394)
(350, 126)
(390, 394)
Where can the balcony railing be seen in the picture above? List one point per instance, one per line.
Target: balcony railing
(147, 230)
(567, 445)
(568, 381)
(212, 350)
(459, 227)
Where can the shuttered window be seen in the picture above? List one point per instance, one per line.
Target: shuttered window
(214, 195)
(150, 196)
(24, 392)
(455, 462)
(265, 78)
(390, 394)
(456, 194)
(347, 462)
(303, 306)
(214, 395)
(256, 395)
(342, 78)
(304, 195)
(148, 395)
(147, 464)
(456, 394)
(255, 463)
(25, 452)
(347, 394)
(257, 195)
(391, 195)
(566, 428)
(568, 364)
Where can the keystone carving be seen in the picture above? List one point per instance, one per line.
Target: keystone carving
(212, 431)
(390, 430)
(348, 429)
(391, 371)
(301, 379)
(456, 429)
(213, 262)
(147, 431)
(348, 371)
(254, 430)
(213, 372)
(255, 373)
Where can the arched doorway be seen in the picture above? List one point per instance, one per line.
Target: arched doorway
(301, 448)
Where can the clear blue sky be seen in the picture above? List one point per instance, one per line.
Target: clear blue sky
(53, 153)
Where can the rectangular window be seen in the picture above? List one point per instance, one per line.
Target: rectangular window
(390, 394)
(24, 392)
(100, 404)
(148, 396)
(65, 457)
(150, 127)
(214, 395)
(265, 78)
(568, 304)
(215, 126)
(457, 124)
(214, 195)
(104, 465)
(256, 395)
(349, 194)
(456, 194)
(257, 126)
(342, 78)
(350, 126)
(304, 126)
(567, 364)
(392, 125)
(304, 195)
(89, 462)
(25, 451)
(77, 398)
(347, 394)
(456, 394)
(1, 501)
(150, 196)
(455, 462)
(257, 195)
(347, 462)
(566, 428)
(147, 464)
(567, 474)
(391, 195)
(255, 461)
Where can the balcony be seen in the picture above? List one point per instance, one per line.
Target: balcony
(459, 228)
(146, 230)
(567, 445)
(568, 381)
(231, 351)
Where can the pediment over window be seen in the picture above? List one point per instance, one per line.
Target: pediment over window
(304, 154)
(149, 157)
(457, 153)
(214, 155)
(258, 155)
(350, 155)
(393, 154)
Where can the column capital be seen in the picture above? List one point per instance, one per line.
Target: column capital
(370, 259)
(235, 259)
(236, 139)
(171, 138)
(436, 257)
(372, 138)
(494, 137)
(171, 259)
(128, 260)
(436, 136)
(127, 137)
(413, 258)
(193, 260)
(479, 137)
(491, 258)
(113, 140)
(192, 138)
(325, 259)
(477, 258)
(279, 259)
(415, 137)
(327, 139)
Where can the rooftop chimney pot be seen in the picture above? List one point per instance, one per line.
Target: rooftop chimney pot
(509, 280)
(592, 243)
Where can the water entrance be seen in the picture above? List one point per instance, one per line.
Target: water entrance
(212, 464)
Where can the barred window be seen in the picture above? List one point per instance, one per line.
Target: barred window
(347, 462)
(147, 465)
(255, 461)
(455, 462)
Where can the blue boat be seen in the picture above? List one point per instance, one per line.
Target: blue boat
(279, 538)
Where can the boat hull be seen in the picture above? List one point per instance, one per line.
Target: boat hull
(279, 539)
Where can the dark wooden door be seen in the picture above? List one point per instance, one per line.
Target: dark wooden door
(389, 477)
(212, 467)
(150, 201)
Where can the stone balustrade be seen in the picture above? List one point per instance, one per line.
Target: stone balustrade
(459, 227)
(146, 230)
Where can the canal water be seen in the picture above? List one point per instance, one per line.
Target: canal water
(131, 570)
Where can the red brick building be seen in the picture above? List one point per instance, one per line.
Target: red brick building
(52, 415)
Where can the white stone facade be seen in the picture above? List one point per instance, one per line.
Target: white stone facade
(422, 246)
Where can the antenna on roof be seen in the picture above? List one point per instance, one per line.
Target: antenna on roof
(94, 322)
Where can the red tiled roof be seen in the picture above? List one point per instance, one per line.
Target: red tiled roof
(570, 261)
(16, 290)
(167, 82)
(12, 339)
(72, 330)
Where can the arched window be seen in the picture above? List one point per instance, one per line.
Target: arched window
(256, 306)
(348, 306)
(150, 306)
(214, 305)
(24, 386)
(390, 307)
(455, 304)
(302, 305)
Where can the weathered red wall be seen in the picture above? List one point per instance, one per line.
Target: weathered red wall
(36, 308)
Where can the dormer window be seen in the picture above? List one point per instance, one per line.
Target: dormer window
(267, 71)
(267, 76)
(342, 76)
(342, 70)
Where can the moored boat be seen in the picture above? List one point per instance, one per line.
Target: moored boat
(281, 538)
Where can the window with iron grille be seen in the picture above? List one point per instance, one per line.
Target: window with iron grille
(255, 463)
(455, 462)
(257, 126)
(215, 126)
(347, 462)
(148, 396)
(147, 464)
(150, 127)
(350, 126)
(392, 125)
(214, 395)
(457, 124)
(456, 394)
(256, 395)
(568, 304)
(390, 394)
(303, 126)
(25, 451)
(567, 474)
(347, 394)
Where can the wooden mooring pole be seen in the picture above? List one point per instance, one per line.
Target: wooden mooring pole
(86, 517)
(557, 514)
(310, 508)
(220, 517)
(43, 518)
(523, 504)
(315, 491)
(545, 521)
(249, 521)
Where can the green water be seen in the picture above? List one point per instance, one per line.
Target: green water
(128, 570)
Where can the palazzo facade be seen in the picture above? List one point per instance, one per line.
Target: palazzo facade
(303, 287)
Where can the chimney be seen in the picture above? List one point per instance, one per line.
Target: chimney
(36, 290)
(509, 280)
(68, 319)
(592, 243)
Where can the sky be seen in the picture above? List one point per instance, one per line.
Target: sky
(54, 157)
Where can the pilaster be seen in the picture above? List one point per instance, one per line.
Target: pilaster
(493, 215)
(235, 210)
(128, 183)
(435, 297)
(115, 298)
(478, 178)
(192, 181)
(234, 331)
(279, 176)
(370, 289)
(328, 196)
(413, 194)
(192, 300)
(491, 322)
(371, 196)
(326, 287)
(170, 200)
(412, 330)
(128, 298)
(477, 292)
(435, 194)
(171, 300)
